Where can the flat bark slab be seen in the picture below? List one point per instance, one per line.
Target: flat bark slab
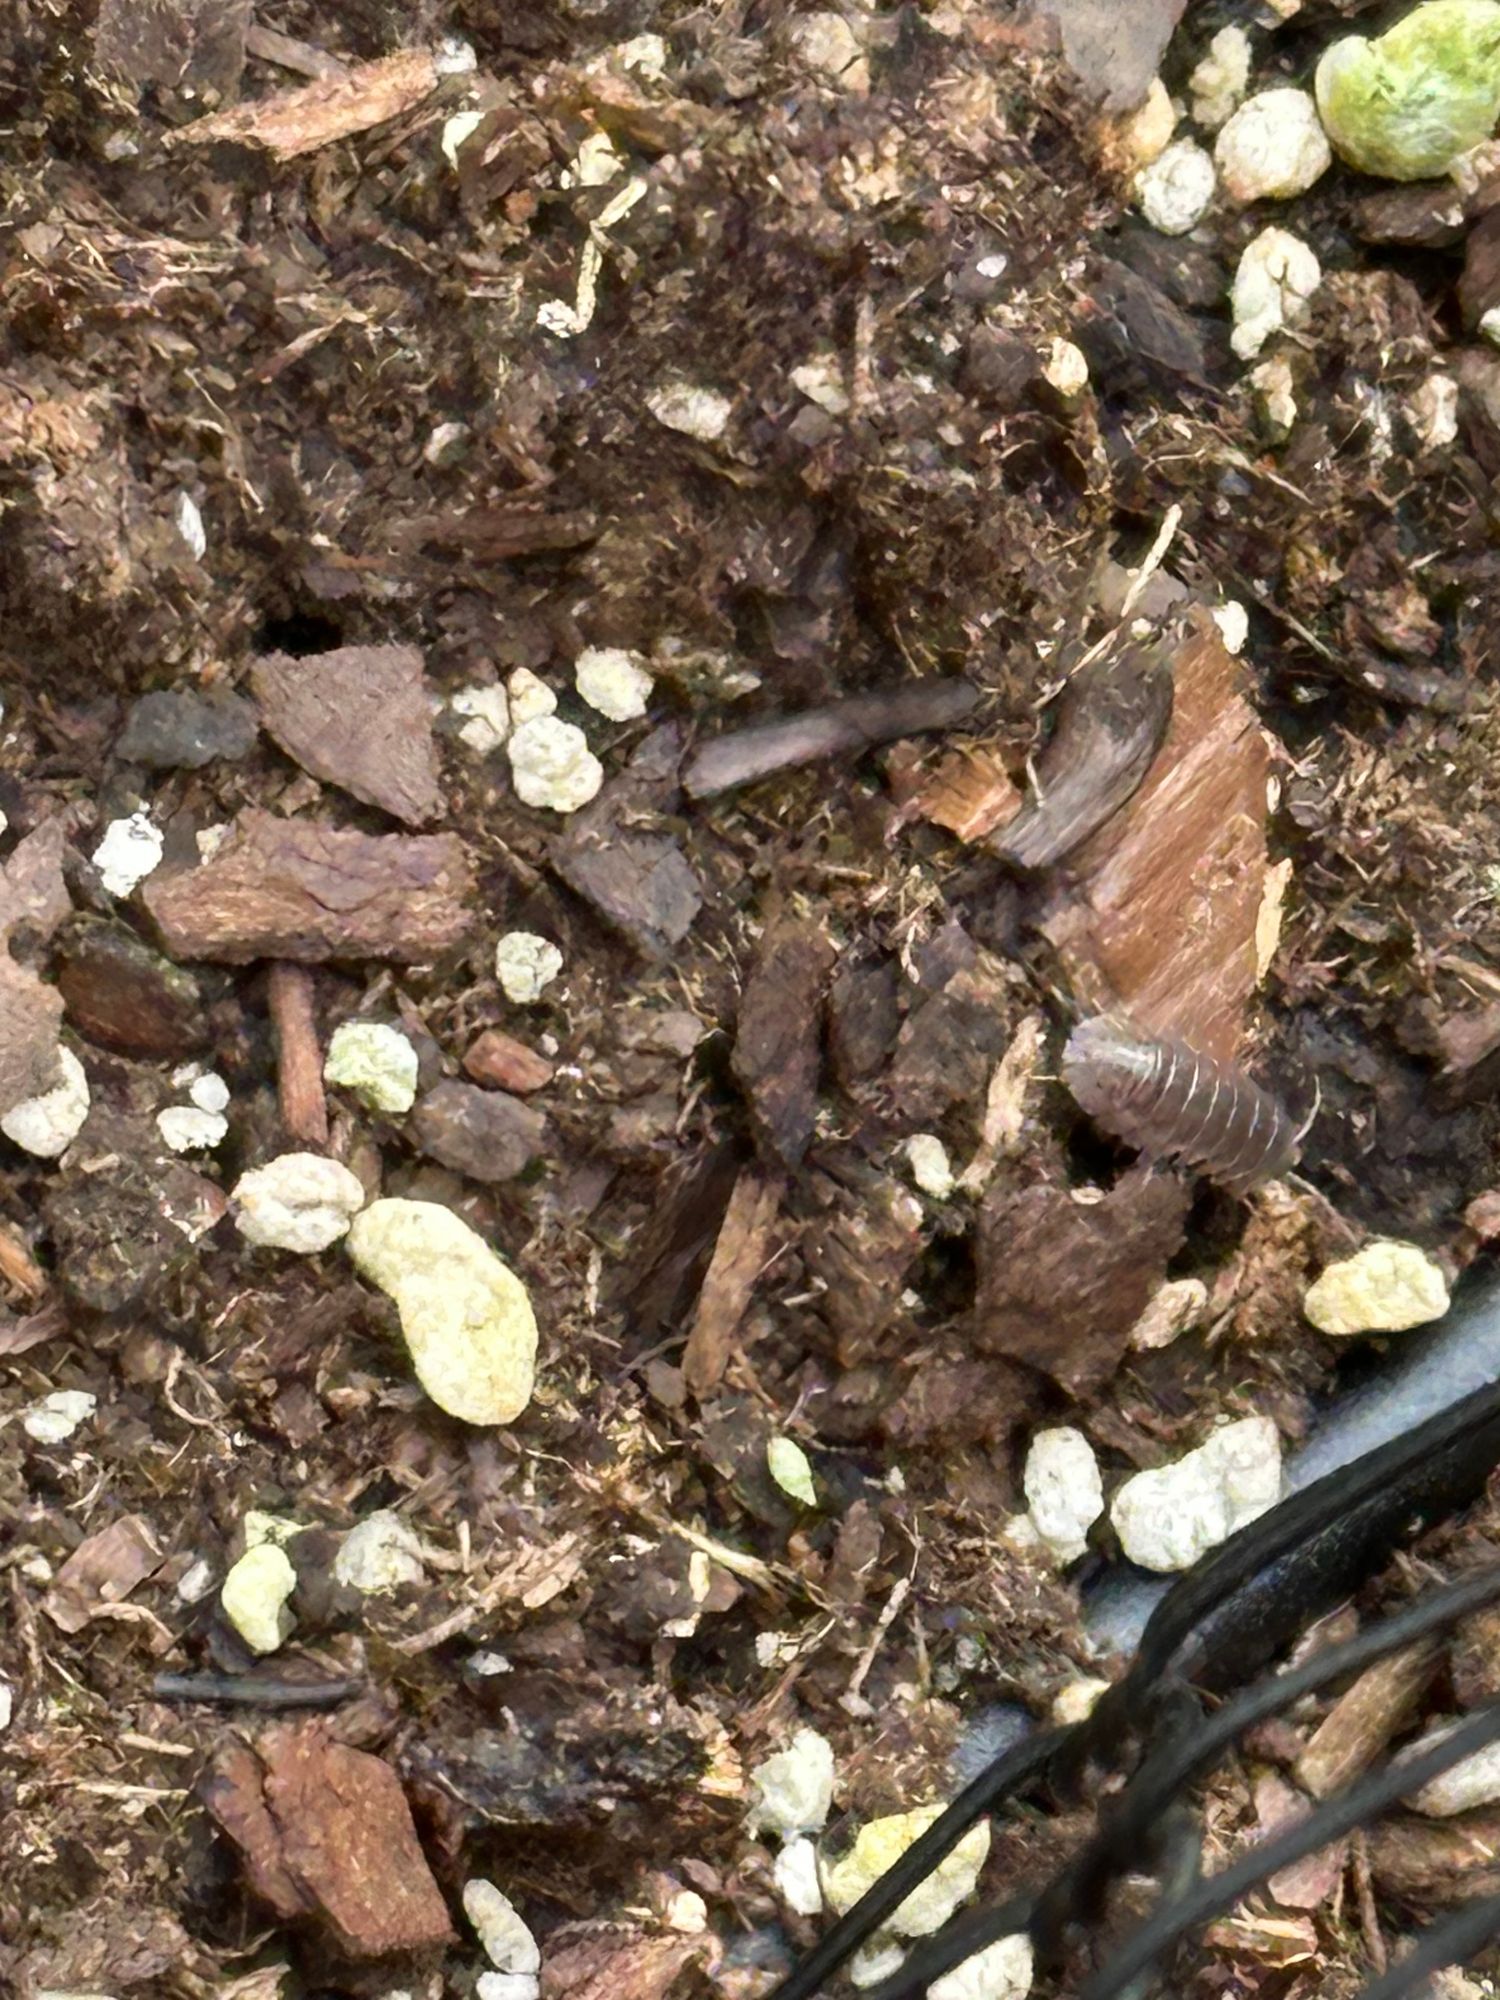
(357, 718)
(482, 1133)
(1157, 913)
(298, 889)
(325, 1832)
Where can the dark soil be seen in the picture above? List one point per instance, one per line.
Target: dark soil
(696, 1160)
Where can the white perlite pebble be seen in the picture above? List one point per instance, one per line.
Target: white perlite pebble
(1272, 147)
(187, 518)
(209, 1092)
(299, 1201)
(1221, 78)
(696, 412)
(507, 1986)
(1077, 1701)
(931, 1168)
(552, 765)
(882, 1843)
(612, 681)
(185, 1129)
(195, 1582)
(1174, 192)
(787, 1464)
(488, 714)
(1277, 276)
(376, 1063)
(1002, 1971)
(58, 1415)
(526, 966)
(1174, 1307)
(795, 1875)
(254, 1597)
(1147, 132)
(1063, 1490)
(130, 850)
(1066, 369)
(1233, 621)
(1166, 1519)
(1473, 1782)
(1384, 1288)
(1433, 410)
(792, 1792)
(686, 1913)
(8, 1709)
(1276, 388)
(379, 1553)
(880, 1959)
(465, 1317)
(529, 697)
(500, 1928)
(48, 1125)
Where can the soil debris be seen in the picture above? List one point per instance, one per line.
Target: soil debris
(316, 114)
(777, 1040)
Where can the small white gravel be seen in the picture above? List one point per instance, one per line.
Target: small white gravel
(1175, 1306)
(1277, 275)
(376, 1063)
(1066, 369)
(487, 718)
(1273, 147)
(500, 1928)
(254, 1597)
(529, 697)
(186, 1129)
(1175, 191)
(792, 1791)
(378, 1554)
(553, 766)
(1064, 1492)
(931, 1168)
(209, 1092)
(1433, 411)
(55, 1418)
(1002, 1971)
(795, 1874)
(47, 1125)
(526, 965)
(693, 410)
(1384, 1288)
(613, 681)
(1221, 78)
(130, 850)
(1167, 1518)
(299, 1201)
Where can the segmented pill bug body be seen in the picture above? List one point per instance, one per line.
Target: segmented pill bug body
(1174, 1102)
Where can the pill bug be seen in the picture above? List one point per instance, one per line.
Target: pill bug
(1175, 1102)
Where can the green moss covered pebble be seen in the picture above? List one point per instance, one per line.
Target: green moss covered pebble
(1406, 104)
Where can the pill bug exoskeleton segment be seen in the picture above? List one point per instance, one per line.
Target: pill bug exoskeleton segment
(1175, 1102)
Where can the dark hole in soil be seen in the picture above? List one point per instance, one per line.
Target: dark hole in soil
(299, 633)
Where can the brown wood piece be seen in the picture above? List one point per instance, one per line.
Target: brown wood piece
(299, 1054)
(738, 1259)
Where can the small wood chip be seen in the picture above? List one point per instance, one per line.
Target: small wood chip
(325, 1832)
(776, 1048)
(742, 755)
(311, 115)
(299, 1056)
(1363, 1721)
(358, 718)
(281, 888)
(503, 1063)
(738, 1259)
